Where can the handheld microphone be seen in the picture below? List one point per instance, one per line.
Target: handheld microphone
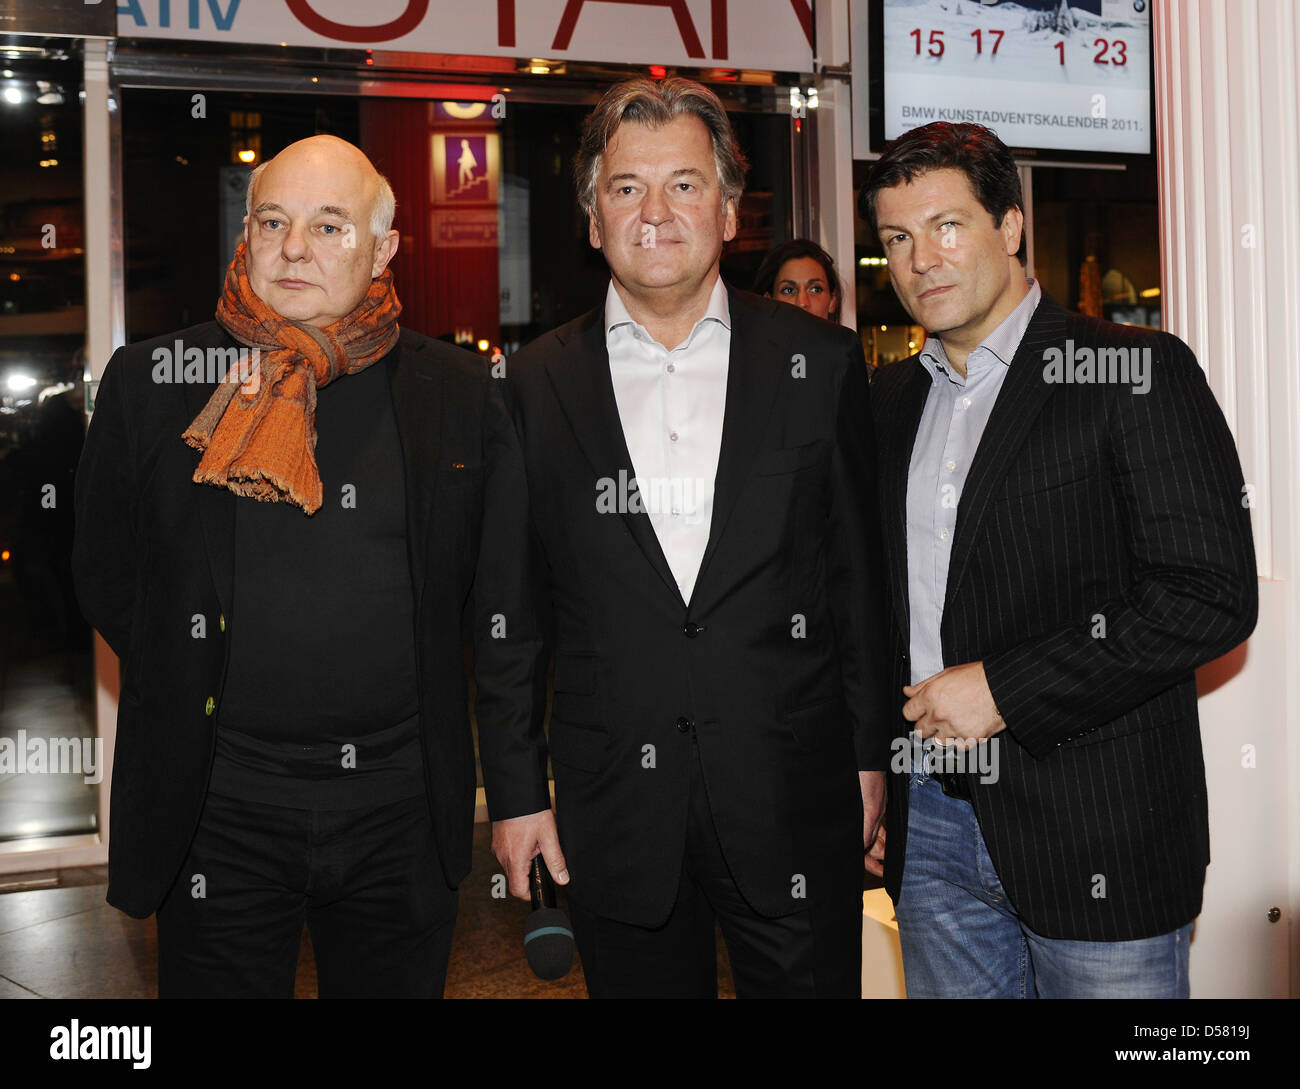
(548, 937)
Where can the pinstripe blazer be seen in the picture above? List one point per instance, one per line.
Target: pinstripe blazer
(1102, 551)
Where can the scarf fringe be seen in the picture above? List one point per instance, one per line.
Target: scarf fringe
(260, 485)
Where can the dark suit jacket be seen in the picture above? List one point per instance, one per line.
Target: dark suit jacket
(153, 549)
(1084, 501)
(776, 667)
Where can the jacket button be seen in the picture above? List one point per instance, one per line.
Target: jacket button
(693, 629)
(685, 725)
(221, 621)
(209, 706)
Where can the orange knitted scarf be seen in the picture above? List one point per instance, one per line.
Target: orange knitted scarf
(259, 438)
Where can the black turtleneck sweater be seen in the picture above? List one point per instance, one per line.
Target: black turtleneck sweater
(321, 700)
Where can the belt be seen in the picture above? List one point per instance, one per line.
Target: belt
(953, 783)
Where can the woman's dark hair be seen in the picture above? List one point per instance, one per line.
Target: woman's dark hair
(974, 150)
(765, 278)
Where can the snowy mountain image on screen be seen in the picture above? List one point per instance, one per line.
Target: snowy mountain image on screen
(1026, 52)
(1046, 74)
(1057, 15)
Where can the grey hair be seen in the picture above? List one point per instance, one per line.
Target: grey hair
(381, 215)
(655, 103)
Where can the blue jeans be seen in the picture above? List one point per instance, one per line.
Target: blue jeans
(962, 938)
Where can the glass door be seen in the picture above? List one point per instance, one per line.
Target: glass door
(51, 761)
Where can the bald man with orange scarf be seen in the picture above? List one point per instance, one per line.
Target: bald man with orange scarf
(285, 561)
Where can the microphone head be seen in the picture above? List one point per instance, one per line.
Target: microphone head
(548, 943)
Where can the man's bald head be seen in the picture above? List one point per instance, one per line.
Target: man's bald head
(310, 255)
(334, 153)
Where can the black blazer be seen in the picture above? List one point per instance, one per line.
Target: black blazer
(152, 549)
(775, 669)
(1084, 501)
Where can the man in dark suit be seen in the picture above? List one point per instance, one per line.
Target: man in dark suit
(1067, 538)
(293, 741)
(700, 473)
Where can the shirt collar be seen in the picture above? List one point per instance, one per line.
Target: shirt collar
(718, 310)
(1001, 343)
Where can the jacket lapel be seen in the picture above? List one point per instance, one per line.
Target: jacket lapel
(582, 383)
(216, 505)
(418, 395)
(754, 368)
(1021, 398)
(903, 418)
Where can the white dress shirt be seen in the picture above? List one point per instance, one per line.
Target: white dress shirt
(671, 406)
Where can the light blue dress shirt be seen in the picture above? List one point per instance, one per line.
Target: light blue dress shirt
(956, 412)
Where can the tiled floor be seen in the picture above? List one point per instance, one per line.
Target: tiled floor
(66, 942)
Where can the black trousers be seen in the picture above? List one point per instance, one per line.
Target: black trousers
(366, 882)
(815, 953)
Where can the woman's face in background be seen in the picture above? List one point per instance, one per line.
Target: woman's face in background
(802, 281)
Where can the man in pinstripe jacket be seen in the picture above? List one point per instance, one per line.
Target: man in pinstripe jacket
(1066, 541)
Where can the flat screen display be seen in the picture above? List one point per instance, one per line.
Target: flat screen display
(1043, 74)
